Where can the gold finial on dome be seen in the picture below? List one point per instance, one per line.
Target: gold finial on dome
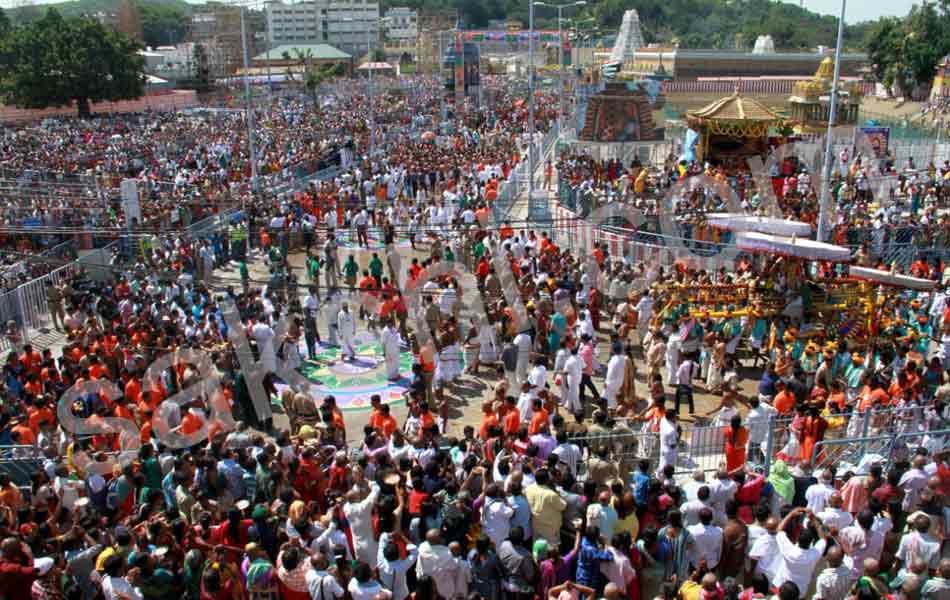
(826, 69)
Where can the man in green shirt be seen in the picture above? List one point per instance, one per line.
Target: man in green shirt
(479, 250)
(350, 270)
(376, 267)
(313, 269)
(245, 276)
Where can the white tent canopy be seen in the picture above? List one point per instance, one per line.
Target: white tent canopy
(743, 222)
(894, 279)
(764, 243)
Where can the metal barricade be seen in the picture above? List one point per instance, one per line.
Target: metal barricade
(850, 451)
(702, 447)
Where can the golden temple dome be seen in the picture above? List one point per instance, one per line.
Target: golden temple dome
(826, 70)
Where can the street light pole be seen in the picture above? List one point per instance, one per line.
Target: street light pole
(369, 97)
(372, 110)
(560, 54)
(249, 121)
(530, 100)
(825, 200)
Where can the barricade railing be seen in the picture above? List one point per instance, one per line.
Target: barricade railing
(702, 445)
(512, 188)
(27, 304)
(848, 452)
(866, 425)
(646, 242)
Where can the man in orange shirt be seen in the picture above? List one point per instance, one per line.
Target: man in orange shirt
(875, 397)
(31, 359)
(387, 423)
(539, 417)
(512, 422)
(368, 286)
(22, 433)
(39, 412)
(837, 396)
(376, 403)
(425, 416)
(133, 390)
(97, 370)
(489, 420)
(784, 401)
(506, 231)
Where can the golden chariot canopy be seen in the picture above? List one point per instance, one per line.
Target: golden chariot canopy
(735, 116)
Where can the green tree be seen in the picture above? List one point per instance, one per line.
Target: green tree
(883, 44)
(162, 24)
(904, 52)
(925, 42)
(55, 61)
(5, 25)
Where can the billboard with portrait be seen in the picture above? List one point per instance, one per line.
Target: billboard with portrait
(878, 138)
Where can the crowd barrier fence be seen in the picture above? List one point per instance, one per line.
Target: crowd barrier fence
(512, 188)
(902, 245)
(702, 445)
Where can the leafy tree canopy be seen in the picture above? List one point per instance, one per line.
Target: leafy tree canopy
(54, 61)
(904, 52)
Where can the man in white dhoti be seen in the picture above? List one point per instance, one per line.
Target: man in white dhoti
(538, 376)
(390, 342)
(573, 372)
(436, 561)
(346, 328)
(616, 368)
(523, 344)
(331, 310)
(264, 336)
(359, 513)
(644, 310)
(669, 441)
(672, 358)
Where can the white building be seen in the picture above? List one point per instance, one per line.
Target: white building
(402, 24)
(350, 26)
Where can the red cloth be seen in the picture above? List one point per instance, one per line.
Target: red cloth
(16, 580)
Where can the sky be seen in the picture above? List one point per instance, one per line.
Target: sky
(861, 10)
(857, 10)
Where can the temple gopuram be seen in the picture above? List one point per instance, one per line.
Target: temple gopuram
(622, 112)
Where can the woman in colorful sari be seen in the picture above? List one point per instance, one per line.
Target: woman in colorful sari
(813, 431)
(736, 439)
(749, 494)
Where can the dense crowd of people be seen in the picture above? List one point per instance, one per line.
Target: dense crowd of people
(572, 482)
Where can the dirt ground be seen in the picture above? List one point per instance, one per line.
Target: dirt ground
(465, 399)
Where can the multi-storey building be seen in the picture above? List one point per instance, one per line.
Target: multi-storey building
(351, 26)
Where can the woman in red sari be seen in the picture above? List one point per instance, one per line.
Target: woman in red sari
(736, 439)
(813, 432)
(749, 494)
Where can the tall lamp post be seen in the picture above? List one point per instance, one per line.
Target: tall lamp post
(560, 52)
(530, 100)
(249, 121)
(824, 199)
(370, 95)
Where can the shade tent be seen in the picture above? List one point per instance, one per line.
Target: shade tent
(747, 223)
(891, 279)
(764, 243)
